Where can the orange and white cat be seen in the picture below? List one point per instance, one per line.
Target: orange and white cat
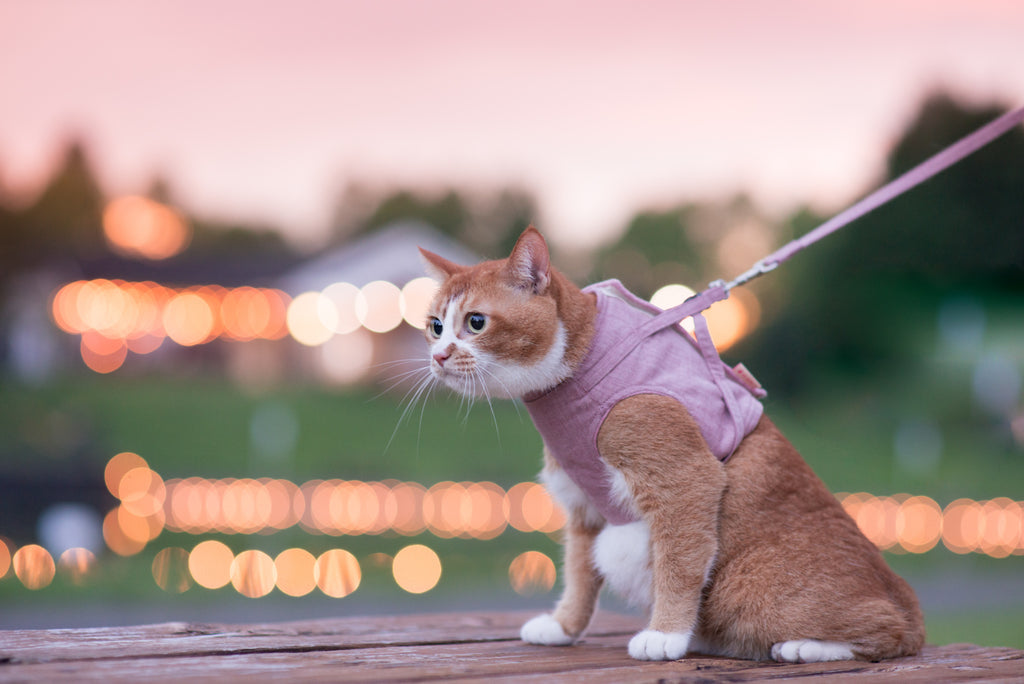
(750, 558)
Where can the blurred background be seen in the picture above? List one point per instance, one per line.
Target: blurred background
(211, 299)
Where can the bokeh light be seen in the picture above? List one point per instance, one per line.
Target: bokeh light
(378, 306)
(124, 533)
(34, 566)
(531, 509)
(295, 572)
(5, 558)
(253, 573)
(415, 301)
(140, 227)
(209, 563)
(189, 319)
(170, 570)
(76, 564)
(118, 466)
(115, 317)
(532, 573)
(341, 298)
(337, 573)
(142, 491)
(102, 354)
(347, 358)
(919, 524)
(416, 569)
(311, 319)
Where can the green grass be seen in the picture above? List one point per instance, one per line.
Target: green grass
(186, 427)
(993, 627)
(189, 426)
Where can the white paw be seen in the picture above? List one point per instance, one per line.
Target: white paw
(811, 651)
(651, 644)
(545, 631)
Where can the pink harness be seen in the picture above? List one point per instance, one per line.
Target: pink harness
(639, 349)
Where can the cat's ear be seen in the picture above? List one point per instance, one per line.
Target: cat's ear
(530, 264)
(437, 266)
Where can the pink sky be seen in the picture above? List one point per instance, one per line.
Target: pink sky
(265, 110)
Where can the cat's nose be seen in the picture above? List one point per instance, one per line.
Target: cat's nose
(441, 357)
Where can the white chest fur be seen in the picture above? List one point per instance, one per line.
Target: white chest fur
(621, 552)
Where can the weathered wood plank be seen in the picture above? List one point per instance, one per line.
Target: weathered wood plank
(464, 647)
(179, 638)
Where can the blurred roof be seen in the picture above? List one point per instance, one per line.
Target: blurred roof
(389, 254)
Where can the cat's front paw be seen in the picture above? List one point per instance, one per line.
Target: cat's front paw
(545, 630)
(651, 644)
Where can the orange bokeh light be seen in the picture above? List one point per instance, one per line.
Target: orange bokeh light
(142, 492)
(337, 573)
(102, 354)
(295, 575)
(120, 541)
(403, 508)
(961, 525)
(170, 570)
(919, 524)
(416, 569)
(532, 573)
(140, 227)
(5, 559)
(253, 573)
(34, 566)
(118, 466)
(189, 319)
(209, 563)
(531, 509)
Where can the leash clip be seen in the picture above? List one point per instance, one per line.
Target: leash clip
(760, 268)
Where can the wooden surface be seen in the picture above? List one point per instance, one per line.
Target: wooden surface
(457, 646)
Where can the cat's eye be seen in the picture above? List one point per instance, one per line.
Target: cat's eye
(436, 326)
(475, 322)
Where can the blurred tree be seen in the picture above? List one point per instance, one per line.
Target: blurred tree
(66, 217)
(503, 218)
(488, 222)
(447, 212)
(684, 244)
(960, 232)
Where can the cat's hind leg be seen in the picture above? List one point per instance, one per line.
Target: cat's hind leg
(811, 651)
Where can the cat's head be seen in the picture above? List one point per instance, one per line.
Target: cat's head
(494, 329)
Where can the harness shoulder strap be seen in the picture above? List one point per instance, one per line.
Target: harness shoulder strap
(614, 355)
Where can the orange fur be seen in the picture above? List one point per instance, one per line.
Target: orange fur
(743, 555)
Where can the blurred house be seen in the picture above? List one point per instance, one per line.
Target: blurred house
(370, 298)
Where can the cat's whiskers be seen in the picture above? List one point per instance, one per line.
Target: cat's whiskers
(510, 394)
(420, 389)
(490, 404)
(418, 366)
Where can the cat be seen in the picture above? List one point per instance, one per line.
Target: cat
(749, 558)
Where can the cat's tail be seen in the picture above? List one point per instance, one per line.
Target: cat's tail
(897, 628)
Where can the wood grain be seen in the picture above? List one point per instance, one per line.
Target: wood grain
(457, 646)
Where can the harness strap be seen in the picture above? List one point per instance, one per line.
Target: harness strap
(717, 369)
(614, 354)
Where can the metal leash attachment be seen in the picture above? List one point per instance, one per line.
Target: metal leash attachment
(763, 266)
